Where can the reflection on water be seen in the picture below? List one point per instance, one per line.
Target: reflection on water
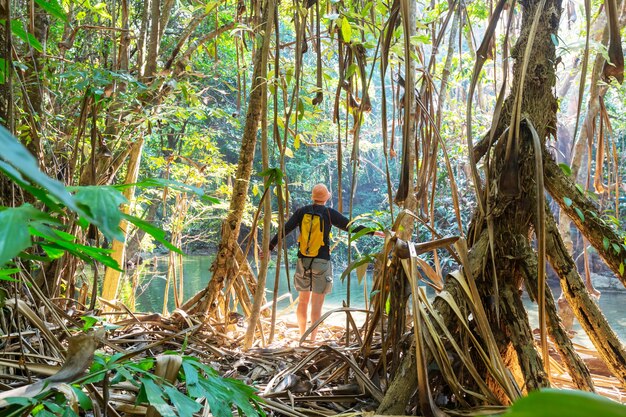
(149, 295)
(196, 276)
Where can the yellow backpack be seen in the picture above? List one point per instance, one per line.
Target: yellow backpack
(311, 234)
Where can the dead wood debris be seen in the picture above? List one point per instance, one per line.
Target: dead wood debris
(321, 379)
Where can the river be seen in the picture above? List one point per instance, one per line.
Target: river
(149, 294)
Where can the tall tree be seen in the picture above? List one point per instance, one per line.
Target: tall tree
(511, 207)
(224, 264)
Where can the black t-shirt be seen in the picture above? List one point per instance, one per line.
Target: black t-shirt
(331, 218)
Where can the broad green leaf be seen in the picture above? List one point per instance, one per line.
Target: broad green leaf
(53, 252)
(83, 399)
(53, 7)
(175, 185)
(274, 176)
(104, 206)
(14, 236)
(570, 403)
(217, 398)
(155, 232)
(616, 248)
(185, 406)
(580, 213)
(16, 155)
(191, 380)
(86, 253)
(580, 188)
(365, 260)
(23, 401)
(605, 243)
(90, 321)
(18, 30)
(346, 30)
(154, 397)
(568, 201)
(621, 268)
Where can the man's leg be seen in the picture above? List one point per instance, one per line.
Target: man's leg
(301, 310)
(317, 300)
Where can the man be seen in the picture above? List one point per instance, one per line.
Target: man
(314, 275)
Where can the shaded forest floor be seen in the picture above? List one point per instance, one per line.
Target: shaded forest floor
(323, 378)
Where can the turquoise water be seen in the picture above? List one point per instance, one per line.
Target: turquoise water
(196, 276)
(149, 295)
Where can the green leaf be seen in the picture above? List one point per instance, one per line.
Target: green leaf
(621, 268)
(16, 155)
(175, 185)
(23, 401)
(14, 236)
(570, 403)
(18, 30)
(300, 108)
(3, 70)
(154, 397)
(86, 253)
(616, 248)
(580, 189)
(554, 39)
(185, 406)
(274, 176)
(568, 201)
(580, 213)
(346, 30)
(52, 251)
(155, 232)
(351, 70)
(90, 321)
(53, 7)
(605, 243)
(104, 206)
(354, 265)
(83, 399)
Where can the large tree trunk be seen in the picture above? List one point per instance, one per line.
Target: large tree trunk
(224, 263)
(511, 180)
(512, 206)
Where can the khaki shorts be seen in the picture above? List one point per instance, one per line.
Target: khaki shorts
(318, 279)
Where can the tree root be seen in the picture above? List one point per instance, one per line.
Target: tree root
(586, 311)
(577, 369)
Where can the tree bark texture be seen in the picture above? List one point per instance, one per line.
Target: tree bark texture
(586, 311)
(577, 369)
(222, 267)
(511, 179)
